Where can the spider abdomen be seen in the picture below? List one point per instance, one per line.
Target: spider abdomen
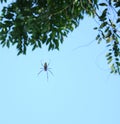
(45, 66)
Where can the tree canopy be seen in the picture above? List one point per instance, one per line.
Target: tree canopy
(36, 22)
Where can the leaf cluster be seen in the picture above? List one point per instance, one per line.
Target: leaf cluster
(108, 30)
(34, 22)
(25, 23)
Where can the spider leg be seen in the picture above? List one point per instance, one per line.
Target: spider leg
(49, 68)
(48, 63)
(47, 75)
(42, 63)
(51, 72)
(40, 72)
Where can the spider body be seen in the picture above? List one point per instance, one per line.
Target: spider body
(45, 67)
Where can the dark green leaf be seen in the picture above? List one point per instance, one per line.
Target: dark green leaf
(117, 4)
(103, 24)
(8, 44)
(109, 59)
(112, 68)
(39, 43)
(118, 63)
(20, 52)
(118, 12)
(103, 4)
(95, 28)
(118, 20)
(108, 54)
(98, 36)
(34, 47)
(108, 34)
(103, 16)
(107, 28)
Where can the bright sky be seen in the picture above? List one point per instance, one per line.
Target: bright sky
(82, 91)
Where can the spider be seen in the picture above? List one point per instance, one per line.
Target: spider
(45, 68)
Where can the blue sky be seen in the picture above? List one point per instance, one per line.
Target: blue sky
(82, 91)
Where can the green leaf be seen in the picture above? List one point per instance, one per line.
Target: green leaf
(108, 34)
(103, 4)
(34, 47)
(103, 16)
(107, 28)
(51, 46)
(20, 52)
(108, 54)
(3, 1)
(109, 59)
(118, 20)
(8, 44)
(112, 68)
(95, 28)
(117, 4)
(118, 63)
(97, 37)
(103, 24)
(39, 43)
(52, 35)
(99, 40)
(109, 39)
(108, 46)
(116, 59)
(24, 50)
(118, 12)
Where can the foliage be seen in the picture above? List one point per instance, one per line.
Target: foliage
(40, 22)
(3, 1)
(35, 22)
(109, 30)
